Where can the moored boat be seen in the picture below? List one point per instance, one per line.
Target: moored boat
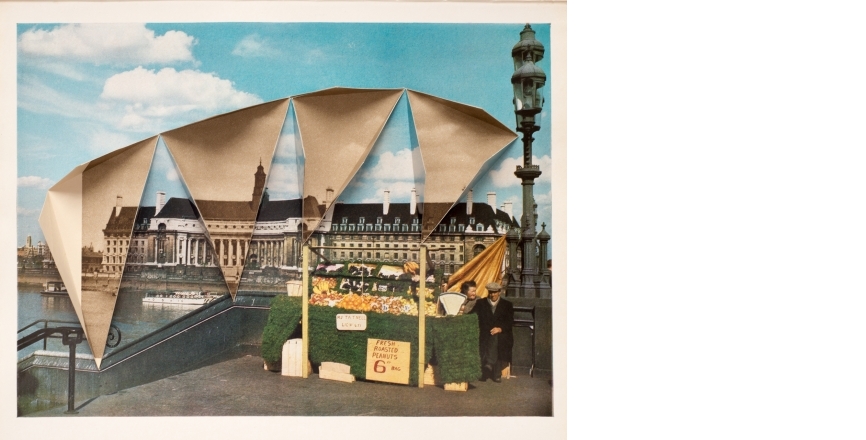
(185, 298)
(56, 288)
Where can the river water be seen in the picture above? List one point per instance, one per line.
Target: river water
(133, 318)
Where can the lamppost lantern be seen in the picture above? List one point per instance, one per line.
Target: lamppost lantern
(527, 44)
(528, 96)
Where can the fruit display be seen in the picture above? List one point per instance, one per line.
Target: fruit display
(323, 285)
(351, 287)
(394, 305)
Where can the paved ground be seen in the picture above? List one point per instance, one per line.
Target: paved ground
(240, 387)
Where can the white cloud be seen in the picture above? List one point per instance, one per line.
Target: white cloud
(286, 145)
(283, 182)
(27, 211)
(504, 175)
(38, 97)
(149, 96)
(34, 182)
(253, 46)
(122, 43)
(171, 175)
(391, 167)
(101, 140)
(401, 192)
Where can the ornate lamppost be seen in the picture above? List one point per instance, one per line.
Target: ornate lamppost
(527, 81)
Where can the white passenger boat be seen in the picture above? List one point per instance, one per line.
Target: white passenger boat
(55, 288)
(185, 298)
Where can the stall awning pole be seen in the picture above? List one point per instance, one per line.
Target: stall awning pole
(305, 313)
(422, 308)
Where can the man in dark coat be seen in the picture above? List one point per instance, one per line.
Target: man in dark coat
(495, 319)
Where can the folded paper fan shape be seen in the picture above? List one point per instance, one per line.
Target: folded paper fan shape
(220, 159)
(89, 215)
(106, 192)
(456, 140)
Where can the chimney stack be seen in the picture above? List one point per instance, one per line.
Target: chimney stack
(329, 195)
(507, 209)
(160, 201)
(387, 203)
(413, 202)
(469, 203)
(118, 205)
(491, 200)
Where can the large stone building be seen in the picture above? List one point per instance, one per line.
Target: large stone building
(171, 233)
(466, 230)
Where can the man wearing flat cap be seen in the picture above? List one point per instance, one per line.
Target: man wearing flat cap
(495, 318)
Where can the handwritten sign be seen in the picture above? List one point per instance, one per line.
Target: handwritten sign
(351, 321)
(388, 361)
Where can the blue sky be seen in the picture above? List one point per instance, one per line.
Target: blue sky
(85, 90)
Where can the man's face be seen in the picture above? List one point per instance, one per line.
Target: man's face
(471, 292)
(494, 296)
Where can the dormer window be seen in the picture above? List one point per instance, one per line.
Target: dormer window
(378, 220)
(345, 220)
(361, 220)
(453, 221)
(471, 220)
(396, 220)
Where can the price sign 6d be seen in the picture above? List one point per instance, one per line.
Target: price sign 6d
(388, 361)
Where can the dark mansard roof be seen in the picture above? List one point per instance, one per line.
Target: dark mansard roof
(278, 210)
(120, 223)
(482, 212)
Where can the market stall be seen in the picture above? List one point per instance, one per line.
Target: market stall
(366, 317)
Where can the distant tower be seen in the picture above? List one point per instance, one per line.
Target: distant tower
(160, 201)
(259, 186)
(29, 242)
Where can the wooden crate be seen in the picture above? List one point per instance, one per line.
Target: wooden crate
(336, 371)
(462, 386)
(292, 358)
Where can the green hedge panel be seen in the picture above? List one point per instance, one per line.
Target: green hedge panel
(453, 339)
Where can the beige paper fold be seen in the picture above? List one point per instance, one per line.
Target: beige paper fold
(338, 127)
(111, 192)
(60, 221)
(455, 140)
(224, 161)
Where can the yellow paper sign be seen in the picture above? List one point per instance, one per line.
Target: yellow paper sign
(388, 361)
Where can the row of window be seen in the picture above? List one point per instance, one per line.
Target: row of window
(362, 220)
(403, 255)
(343, 227)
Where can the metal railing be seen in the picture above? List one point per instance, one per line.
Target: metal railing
(530, 324)
(71, 337)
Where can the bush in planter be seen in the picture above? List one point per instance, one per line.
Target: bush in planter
(283, 319)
